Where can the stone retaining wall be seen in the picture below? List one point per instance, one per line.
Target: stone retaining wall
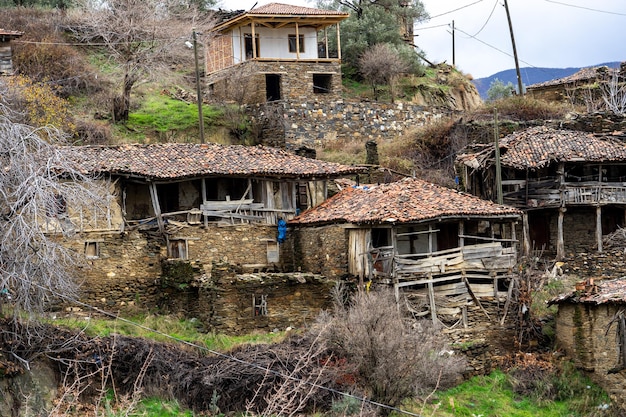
(584, 332)
(312, 122)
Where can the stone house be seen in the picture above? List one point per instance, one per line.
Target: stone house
(591, 329)
(179, 212)
(570, 185)
(579, 88)
(6, 52)
(275, 52)
(446, 252)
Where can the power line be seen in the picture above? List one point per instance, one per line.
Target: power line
(457, 9)
(223, 355)
(488, 19)
(433, 27)
(585, 8)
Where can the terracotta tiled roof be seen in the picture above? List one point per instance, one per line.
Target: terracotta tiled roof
(407, 201)
(279, 15)
(539, 146)
(585, 74)
(11, 33)
(600, 292)
(287, 9)
(183, 160)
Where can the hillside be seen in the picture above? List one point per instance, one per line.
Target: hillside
(530, 76)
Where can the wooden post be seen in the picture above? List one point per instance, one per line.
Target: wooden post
(513, 236)
(525, 234)
(155, 205)
(203, 191)
(253, 40)
(461, 233)
(560, 245)
(431, 299)
(430, 239)
(326, 40)
(599, 227)
(297, 42)
(338, 43)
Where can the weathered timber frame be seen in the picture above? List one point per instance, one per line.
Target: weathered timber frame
(557, 187)
(477, 265)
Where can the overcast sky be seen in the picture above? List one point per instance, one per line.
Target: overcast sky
(548, 33)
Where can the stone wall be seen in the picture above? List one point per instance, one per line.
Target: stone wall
(582, 333)
(245, 83)
(129, 270)
(311, 123)
(293, 299)
(320, 250)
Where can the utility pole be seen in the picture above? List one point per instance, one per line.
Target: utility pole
(496, 132)
(453, 60)
(519, 76)
(198, 89)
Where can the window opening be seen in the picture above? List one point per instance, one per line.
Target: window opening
(177, 249)
(92, 250)
(248, 46)
(293, 44)
(322, 83)
(259, 304)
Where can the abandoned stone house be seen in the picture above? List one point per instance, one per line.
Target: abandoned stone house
(179, 215)
(591, 329)
(446, 253)
(6, 50)
(581, 87)
(571, 185)
(275, 52)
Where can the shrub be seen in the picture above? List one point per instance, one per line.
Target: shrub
(40, 105)
(393, 357)
(523, 108)
(43, 54)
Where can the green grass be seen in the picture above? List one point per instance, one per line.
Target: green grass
(180, 329)
(160, 113)
(493, 396)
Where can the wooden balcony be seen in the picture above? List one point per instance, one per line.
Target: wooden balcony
(551, 193)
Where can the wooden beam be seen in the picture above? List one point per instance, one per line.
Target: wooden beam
(599, 227)
(560, 245)
(526, 234)
(433, 308)
(155, 205)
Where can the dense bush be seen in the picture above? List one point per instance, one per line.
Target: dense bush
(392, 357)
(44, 54)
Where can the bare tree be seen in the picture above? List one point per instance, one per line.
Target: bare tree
(382, 64)
(614, 94)
(37, 186)
(140, 35)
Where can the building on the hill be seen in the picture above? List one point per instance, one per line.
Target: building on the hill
(275, 52)
(582, 87)
(570, 184)
(175, 211)
(6, 50)
(442, 249)
(591, 329)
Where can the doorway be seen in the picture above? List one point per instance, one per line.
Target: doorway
(272, 87)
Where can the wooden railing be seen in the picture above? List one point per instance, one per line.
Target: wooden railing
(482, 259)
(550, 193)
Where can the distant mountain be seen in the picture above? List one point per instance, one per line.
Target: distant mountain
(530, 76)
